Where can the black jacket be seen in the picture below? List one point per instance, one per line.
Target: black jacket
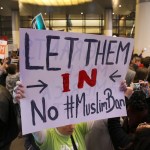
(8, 119)
(118, 135)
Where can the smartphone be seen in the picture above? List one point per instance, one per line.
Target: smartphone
(136, 86)
(141, 87)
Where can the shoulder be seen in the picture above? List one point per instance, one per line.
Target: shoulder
(4, 94)
(5, 98)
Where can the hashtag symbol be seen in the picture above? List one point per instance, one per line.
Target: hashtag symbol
(69, 107)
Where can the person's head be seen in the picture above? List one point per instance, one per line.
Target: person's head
(66, 130)
(142, 137)
(8, 60)
(135, 59)
(141, 74)
(14, 54)
(137, 109)
(11, 69)
(146, 61)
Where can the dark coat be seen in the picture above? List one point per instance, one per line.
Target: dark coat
(8, 119)
(121, 136)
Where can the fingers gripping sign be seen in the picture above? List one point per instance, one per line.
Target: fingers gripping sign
(18, 92)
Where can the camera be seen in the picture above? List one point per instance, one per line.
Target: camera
(136, 86)
(141, 87)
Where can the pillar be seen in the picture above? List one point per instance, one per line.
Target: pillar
(142, 27)
(15, 27)
(108, 22)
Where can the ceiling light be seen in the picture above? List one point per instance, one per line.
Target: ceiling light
(1, 7)
(81, 13)
(115, 3)
(55, 2)
(113, 13)
(119, 5)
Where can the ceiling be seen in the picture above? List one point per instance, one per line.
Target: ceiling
(93, 7)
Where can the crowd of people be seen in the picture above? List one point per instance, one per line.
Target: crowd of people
(131, 132)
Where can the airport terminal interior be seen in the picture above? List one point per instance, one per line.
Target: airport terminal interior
(85, 16)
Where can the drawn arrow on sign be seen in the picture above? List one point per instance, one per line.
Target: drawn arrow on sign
(112, 76)
(44, 85)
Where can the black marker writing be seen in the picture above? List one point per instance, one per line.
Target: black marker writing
(104, 53)
(27, 56)
(89, 49)
(69, 106)
(52, 112)
(71, 49)
(95, 107)
(49, 39)
(120, 47)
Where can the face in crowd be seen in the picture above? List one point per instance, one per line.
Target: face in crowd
(66, 130)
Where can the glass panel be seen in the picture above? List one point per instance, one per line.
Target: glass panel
(101, 22)
(93, 30)
(58, 16)
(115, 31)
(115, 22)
(59, 28)
(122, 30)
(77, 29)
(74, 16)
(122, 22)
(128, 32)
(26, 24)
(92, 16)
(60, 23)
(129, 22)
(92, 22)
(77, 22)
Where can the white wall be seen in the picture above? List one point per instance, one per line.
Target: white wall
(142, 28)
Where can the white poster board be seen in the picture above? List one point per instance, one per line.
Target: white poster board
(12, 47)
(71, 77)
(3, 49)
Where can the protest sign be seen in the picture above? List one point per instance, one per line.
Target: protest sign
(3, 49)
(38, 22)
(71, 77)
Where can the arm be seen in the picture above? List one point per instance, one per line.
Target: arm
(18, 94)
(3, 129)
(40, 136)
(3, 67)
(118, 136)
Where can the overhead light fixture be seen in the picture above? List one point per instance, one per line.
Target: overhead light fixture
(115, 3)
(1, 7)
(81, 13)
(113, 13)
(119, 5)
(55, 2)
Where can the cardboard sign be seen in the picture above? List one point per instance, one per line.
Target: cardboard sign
(3, 49)
(71, 77)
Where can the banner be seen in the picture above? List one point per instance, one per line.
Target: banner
(3, 49)
(71, 77)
